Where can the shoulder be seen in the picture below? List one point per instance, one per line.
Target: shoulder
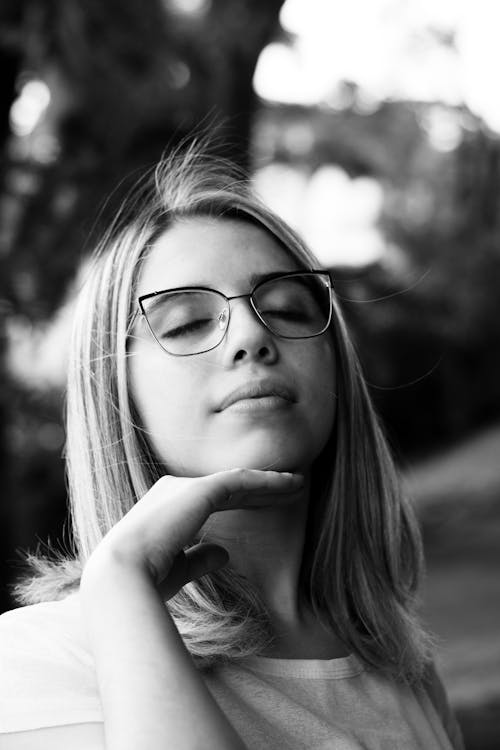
(87, 736)
(47, 674)
(60, 612)
(45, 632)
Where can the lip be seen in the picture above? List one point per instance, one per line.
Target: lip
(265, 391)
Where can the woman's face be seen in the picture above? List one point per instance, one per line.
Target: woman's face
(181, 399)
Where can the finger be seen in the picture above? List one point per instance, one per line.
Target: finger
(204, 558)
(251, 487)
(194, 563)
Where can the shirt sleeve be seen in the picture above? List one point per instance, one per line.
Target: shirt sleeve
(47, 677)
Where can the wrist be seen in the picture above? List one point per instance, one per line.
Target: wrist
(109, 565)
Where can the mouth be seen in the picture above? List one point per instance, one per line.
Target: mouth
(263, 394)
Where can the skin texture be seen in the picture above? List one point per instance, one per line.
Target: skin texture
(177, 396)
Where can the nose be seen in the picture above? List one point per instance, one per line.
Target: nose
(247, 338)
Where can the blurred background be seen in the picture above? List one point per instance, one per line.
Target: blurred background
(373, 127)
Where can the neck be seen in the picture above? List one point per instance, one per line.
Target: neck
(266, 546)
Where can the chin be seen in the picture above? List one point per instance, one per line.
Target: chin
(264, 459)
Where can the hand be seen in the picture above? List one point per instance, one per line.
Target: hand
(152, 535)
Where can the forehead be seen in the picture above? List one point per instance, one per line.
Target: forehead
(226, 254)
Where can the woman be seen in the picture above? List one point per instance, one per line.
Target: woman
(224, 457)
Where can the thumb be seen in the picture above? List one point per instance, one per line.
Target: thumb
(204, 558)
(197, 561)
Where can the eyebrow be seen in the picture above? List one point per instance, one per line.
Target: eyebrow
(254, 279)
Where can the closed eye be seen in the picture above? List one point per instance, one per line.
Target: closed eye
(287, 314)
(188, 328)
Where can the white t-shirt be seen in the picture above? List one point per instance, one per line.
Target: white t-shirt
(47, 679)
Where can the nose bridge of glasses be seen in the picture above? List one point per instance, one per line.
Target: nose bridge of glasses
(251, 310)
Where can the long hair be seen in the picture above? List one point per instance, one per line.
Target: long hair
(362, 558)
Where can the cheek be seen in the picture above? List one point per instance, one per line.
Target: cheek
(166, 399)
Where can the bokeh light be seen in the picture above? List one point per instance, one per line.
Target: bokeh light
(336, 214)
(419, 50)
(28, 109)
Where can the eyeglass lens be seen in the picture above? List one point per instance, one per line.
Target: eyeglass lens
(188, 322)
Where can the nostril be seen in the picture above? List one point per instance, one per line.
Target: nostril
(263, 352)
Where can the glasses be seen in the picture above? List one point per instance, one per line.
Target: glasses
(193, 320)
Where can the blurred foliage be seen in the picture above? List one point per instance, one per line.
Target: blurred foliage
(126, 80)
(445, 330)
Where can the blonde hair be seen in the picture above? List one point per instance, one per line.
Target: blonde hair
(362, 557)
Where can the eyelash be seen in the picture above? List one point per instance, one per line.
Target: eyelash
(186, 328)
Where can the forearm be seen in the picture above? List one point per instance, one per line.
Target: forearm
(152, 695)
